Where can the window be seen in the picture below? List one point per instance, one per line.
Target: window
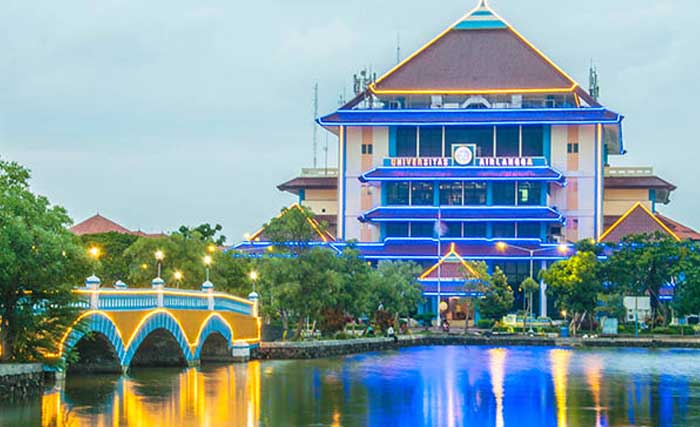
(529, 193)
(422, 229)
(516, 272)
(430, 142)
(396, 229)
(481, 136)
(406, 138)
(504, 193)
(367, 148)
(533, 141)
(474, 229)
(503, 229)
(508, 141)
(454, 229)
(529, 230)
(422, 194)
(397, 193)
(572, 148)
(451, 193)
(474, 193)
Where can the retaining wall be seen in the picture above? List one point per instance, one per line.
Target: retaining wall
(19, 381)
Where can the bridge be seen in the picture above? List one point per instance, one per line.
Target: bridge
(121, 328)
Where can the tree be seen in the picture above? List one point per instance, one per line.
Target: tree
(204, 232)
(498, 298)
(687, 293)
(40, 262)
(394, 286)
(294, 225)
(642, 264)
(529, 286)
(112, 265)
(575, 283)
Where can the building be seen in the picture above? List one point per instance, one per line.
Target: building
(475, 147)
(317, 189)
(97, 224)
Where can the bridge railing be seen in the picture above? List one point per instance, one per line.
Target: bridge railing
(149, 299)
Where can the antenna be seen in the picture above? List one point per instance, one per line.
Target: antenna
(398, 48)
(593, 87)
(314, 122)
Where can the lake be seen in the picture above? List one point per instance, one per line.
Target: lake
(420, 386)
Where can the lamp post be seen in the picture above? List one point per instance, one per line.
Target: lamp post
(94, 252)
(178, 277)
(160, 256)
(502, 246)
(253, 278)
(207, 264)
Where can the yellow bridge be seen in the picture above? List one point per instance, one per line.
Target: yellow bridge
(158, 326)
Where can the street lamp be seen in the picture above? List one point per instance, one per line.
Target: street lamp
(207, 263)
(562, 248)
(178, 277)
(94, 252)
(211, 248)
(160, 256)
(253, 277)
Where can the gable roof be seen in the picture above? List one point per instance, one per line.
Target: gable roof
(450, 267)
(97, 224)
(480, 53)
(637, 220)
(321, 236)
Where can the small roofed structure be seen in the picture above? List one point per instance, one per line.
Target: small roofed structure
(640, 220)
(453, 275)
(98, 224)
(320, 235)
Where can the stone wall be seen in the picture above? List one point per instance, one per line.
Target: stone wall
(19, 381)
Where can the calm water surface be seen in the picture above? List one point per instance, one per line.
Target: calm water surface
(424, 386)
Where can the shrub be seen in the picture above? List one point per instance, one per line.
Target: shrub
(674, 330)
(485, 323)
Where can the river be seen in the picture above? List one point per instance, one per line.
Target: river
(421, 386)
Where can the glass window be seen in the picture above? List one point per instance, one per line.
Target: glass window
(422, 194)
(422, 229)
(396, 229)
(451, 193)
(529, 193)
(454, 229)
(474, 193)
(430, 142)
(533, 141)
(504, 193)
(406, 138)
(507, 141)
(481, 136)
(396, 193)
(474, 229)
(503, 229)
(529, 230)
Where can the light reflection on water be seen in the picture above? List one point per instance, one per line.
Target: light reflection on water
(426, 386)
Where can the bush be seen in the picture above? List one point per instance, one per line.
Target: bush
(674, 330)
(485, 323)
(502, 329)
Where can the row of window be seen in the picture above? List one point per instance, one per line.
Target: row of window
(459, 193)
(490, 141)
(524, 230)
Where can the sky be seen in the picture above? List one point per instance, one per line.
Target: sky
(161, 113)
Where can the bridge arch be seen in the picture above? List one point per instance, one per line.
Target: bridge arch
(158, 319)
(214, 324)
(96, 322)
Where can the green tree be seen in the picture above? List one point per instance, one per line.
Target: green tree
(204, 232)
(687, 294)
(112, 265)
(294, 224)
(642, 264)
(575, 284)
(394, 287)
(498, 297)
(528, 286)
(40, 262)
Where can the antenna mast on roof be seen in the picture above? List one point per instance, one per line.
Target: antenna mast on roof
(594, 88)
(315, 127)
(398, 48)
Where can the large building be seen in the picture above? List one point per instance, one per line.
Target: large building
(475, 147)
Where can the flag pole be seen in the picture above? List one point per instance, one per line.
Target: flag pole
(439, 236)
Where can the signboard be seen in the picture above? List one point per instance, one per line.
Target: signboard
(464, 156)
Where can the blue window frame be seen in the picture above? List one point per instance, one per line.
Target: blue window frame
(422, 229)
(430, 142)
(533, 141)
(422, 193)
(397, 193)
(529, 193)
(406, 142)
(504, 193)
(396, 229)
(508, 141)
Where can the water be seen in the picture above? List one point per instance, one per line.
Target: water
(423, 386)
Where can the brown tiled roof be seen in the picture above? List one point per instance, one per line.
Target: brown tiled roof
(637, 220)
(98, 224)
(469, 57)
(682, 231)
(294, 185)
(638, 182)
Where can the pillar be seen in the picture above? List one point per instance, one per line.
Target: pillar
(93, 283)
(158, 284)
(543, 294)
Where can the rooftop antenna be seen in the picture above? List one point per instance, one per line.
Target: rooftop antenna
(483, 3)
(398, 48)
(315, 127)
(594, 88)
(325, 149)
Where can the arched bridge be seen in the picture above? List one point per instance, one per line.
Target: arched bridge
(120, 328)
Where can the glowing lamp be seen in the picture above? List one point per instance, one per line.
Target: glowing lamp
(253, 275)
(178, 275)
(207, 260)
(94, 252)
(501, 246)
(159, 255)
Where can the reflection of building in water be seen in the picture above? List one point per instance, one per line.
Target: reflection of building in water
(594, 374)
(198, 397)
(497, 357)
(559, 360)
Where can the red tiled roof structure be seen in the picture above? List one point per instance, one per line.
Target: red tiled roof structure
(321, 182)
(450, 267)
(98, 224)
(480, 53)
(638, 182)
(682, 231)
(640, 220)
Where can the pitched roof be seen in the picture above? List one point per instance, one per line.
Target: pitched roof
(321, 236)
(682, 231)
(450, 267)
(480, 53)
(302, 182)
(97, 224)
(638, 182)
(637, 220)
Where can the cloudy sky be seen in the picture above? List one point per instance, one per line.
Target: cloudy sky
(160, 113)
